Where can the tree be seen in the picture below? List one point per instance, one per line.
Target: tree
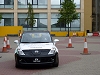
(67, 13)
(0, 18)
(30, 16)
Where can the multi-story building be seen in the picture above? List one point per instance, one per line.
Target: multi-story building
(14, 13)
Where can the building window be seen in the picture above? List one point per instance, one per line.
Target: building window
(1, 1)
(41, 21)
(7, 20)
(22, 2)
(35, 3)
(78, 3)
(74, 26)
(57, 3)
(29, 1)
(6, 3)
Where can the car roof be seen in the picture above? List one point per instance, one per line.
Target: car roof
(36, 31)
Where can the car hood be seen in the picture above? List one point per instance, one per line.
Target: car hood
(24, 46)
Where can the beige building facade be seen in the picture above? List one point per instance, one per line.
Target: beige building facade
(14, 14)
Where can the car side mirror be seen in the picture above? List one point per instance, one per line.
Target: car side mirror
(56, 40)
(17, 42)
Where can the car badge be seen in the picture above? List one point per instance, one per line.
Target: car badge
(36, 51)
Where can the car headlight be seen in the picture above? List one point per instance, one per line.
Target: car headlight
(52, 51)
(20, 52)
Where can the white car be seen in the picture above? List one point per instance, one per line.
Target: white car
(36, 47)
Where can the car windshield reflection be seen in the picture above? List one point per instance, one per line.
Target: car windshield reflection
(36, 38)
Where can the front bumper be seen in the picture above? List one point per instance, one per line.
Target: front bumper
(25, 60)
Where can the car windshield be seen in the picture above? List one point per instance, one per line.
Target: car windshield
(35, 38)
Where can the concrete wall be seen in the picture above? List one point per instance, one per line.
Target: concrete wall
(12, 30)
(71, 33)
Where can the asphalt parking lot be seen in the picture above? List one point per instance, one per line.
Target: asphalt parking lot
(71, 61)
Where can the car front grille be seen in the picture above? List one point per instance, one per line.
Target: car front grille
(36, 52)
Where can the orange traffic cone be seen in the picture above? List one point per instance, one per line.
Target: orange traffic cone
(70, 43)
(85, 51)
(4, 49)
(8, 44)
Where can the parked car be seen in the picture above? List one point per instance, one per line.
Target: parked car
(36, 47)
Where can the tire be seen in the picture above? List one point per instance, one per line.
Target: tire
(56, 63)
(16, 63)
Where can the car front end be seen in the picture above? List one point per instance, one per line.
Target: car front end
(37, 55)
(36, 48)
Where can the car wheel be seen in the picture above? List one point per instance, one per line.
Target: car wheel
(56, 63)
(16, 63)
